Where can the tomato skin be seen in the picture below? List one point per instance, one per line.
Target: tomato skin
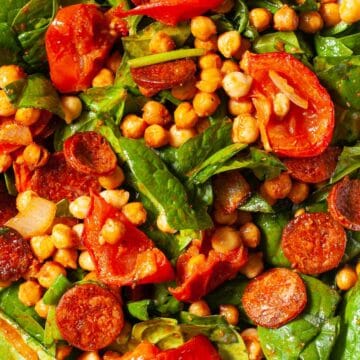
(77, 43)
(302, 132)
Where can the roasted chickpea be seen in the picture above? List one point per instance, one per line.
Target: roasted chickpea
(85, 261)
(178, 137)
(210, 61)
(252, 343)
(202, 27)
(156, 113)
(260, 18)
(330, 13)
(23, 199)
(35, 156)
(49, 272)
(79, 208)
(225, 239)
(72, 108)
(6, 108)
(250, 235)
(116, 198)
(89, 355)
(346, 278)
(209, 45)
(299, 192)
(27, 116)
(133, 127)
(185, 116)
(104, 77)
(9, 74)
(161, 42)
(286, 19)
(350, 11)
(224, 218)
(30, 292)
(245, 129)
(113, 180)
(229, 66)
(279, 187)
(42, 309)
(311, 22)
(63, 236)
(237, 84)
(185, 91)
(229, 43)
(243, 217)
(112, 232)
(135, 212)
(42, 246)
(238, 106)
(205, 104)
(5, 162)
(254, 266)
(156, 136)
(66, 257)
(231, 313)
(200, 308)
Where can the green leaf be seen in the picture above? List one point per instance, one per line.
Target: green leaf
(56, 290)
(352, 246)
(331, 46)
(164, 303)
(240, 17)
(257, 203)
(52, 332)
(307, 5)
(271, 5)
(139, 309)
(9, 10)
(35, 91)
(10, 183)
(347, 126)
(349, 161)
(9, 47)
(62, 208)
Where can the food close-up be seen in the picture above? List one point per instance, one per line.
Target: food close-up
(179, 180)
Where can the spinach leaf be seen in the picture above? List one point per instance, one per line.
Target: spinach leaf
(139, 309)
(311, 335)
(271, 5)
(9, 10)
(352, 246)
(349, 161)
(307, 5)
(240, 17)
(271, 226)
(257, 203)
(331, 46)
(62, 208)
(348, 344)
(56, 290)
(9, 47)
(35, 91)
(52, 333)
(347, 126)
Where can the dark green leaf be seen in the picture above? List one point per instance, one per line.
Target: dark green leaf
(164, 303)
(9, 47)
(9, 9)
(347, 126)
(62, 208)
(257, 203)
(271, 5)
(139, 309)
(349, 161)
(10, 183)
(331, 46)
(4, 230)
(56, 290)
(352, 246)
(307, 5)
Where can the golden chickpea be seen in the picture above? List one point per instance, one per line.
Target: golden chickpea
(350, 11)
(35, 156)
(66, 257)
(185, 116)
(202, 125)
(299, 192)
(281, 104)
(27, 116)
(5, 162)
(210, 61)
(260, 18)
(6, 108)
(116, 198)
(209, 45)
(112, 232)
(114, 61)
(230, 312)
(225, 7)
(185, 91)
(133, 127)
(156, 113)
(79, 208)
(9, 74)
(225, 239)
(200, 308)
(271, 201)
(163, 225)
(23, 199)
(63, 351)
(229, 66)
(78, 229)
(42, 246)
(202, 27)
(42, 309)
(85, 261)
(49, 272)
(254, 266)
(135, 212)
(212, 75)
(250, 235)
(205, 104)
(245, 129)
(113, 180)
(240, 106)
(310, 22)
(279, 187)
(63, 236)
(286, 19)
(72, 108)
(30, 292)
(89, 355)
(330, 13)
(207, 86)
(237, 84)
(178, 137)
(346, 278)
(229, 43)
(156, 136)
(252, 343)
(161, 42)
(224, 218)
(104, 77)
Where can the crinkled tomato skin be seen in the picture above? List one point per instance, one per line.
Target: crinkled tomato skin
(302, 132)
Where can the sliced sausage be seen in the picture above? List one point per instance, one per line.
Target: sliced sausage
(274, 298)
(57, 180)
(231, 190)
(89, 317)
(15, 255)
(154, 78)
(344, 203)
(314, 169)
(313, 243)
(90, 153)
(7, 207)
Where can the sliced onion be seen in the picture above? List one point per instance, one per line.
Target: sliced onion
(263, 114)
(36, 219)
(282, 84)
(13, 133)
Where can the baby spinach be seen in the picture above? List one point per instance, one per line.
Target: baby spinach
(352, 246)
(56, 290)
(52, 332)
(9, 47)
(257, 203)
(139, 309)
(347, 126)
(331, 46)
(271, 5)
(349, 162)
(311, 335)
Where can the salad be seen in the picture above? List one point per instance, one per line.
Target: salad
(179, 179)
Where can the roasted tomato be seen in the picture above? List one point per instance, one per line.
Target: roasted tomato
(306, 129)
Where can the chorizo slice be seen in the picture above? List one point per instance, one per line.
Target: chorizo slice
(314, 169)
(344, 203)
(89, 317)
(57, 180)
(274, 298)
(89, 153)
(313, 243)
(154, 78)
(15, 255)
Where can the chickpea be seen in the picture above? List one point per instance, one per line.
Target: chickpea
(104, 77)
(78, 229)
(114, 61)
(30, 292)
(238, 106)
(252, 343)
(156, 113)
(89, 355)
(286, 19)
(113, 180)
(161, 42)
(6, 107)
(330, 13)
(243, 217)
(66, 257)
(92, 276)
(156, 136)
(85, 261)
(185, 116)
(260, 18)
(229, 43)
(23, 199)
(112, 232)
(135, 212)
(72, 108)
(202, 27)
(63, 236)
(200, 308)
(350, 11)
(35, 156)
(254, 266)
(42, 246)
(185, 91)
(49, 272)
(209, 45)
(250, 235)
(271, 201)
(79, 208)
(230, 66)
(178, 137)
(281, 104)
(207, 86)
(245, 129)
(42, 309)
(202, 125)
(205, 104)
(9, 74)
(279, 187)
(237, 84)
(299, 192)
(116, 198)
(225, 239)
(5, 162)
(346, 278)
(212, 75)
(231, 313)
(27, 116)
(163, 225)
(225, 7)
(311, 22)
(133, 127)
(224, 218)
(210, 61)
(63, 351)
